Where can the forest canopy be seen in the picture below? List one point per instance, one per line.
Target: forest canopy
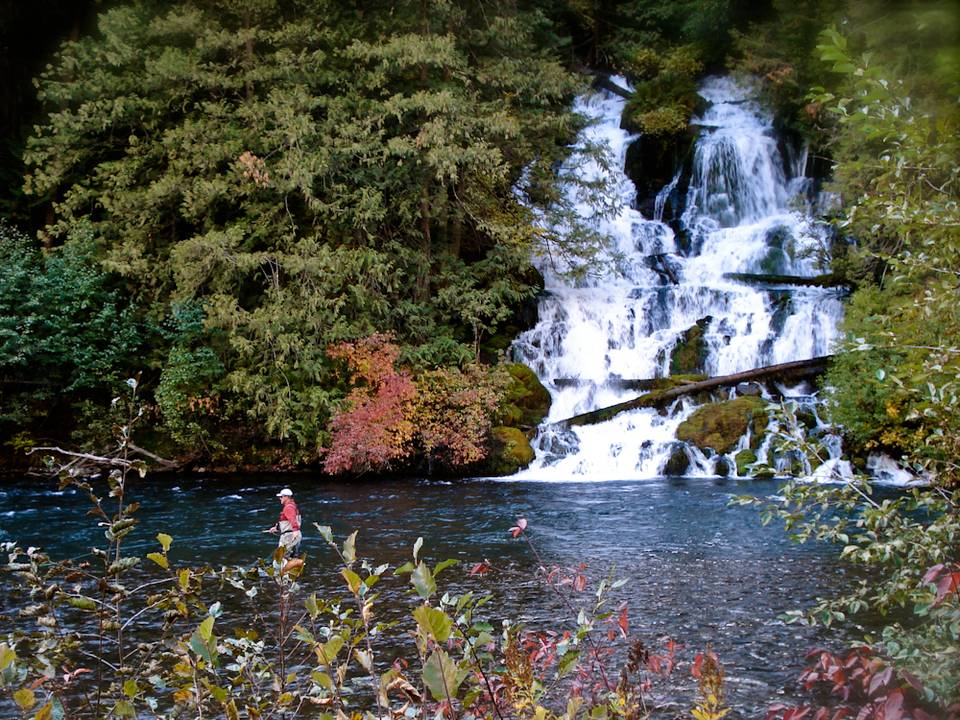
(266, 180)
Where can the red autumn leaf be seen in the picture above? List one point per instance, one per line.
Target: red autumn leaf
(933, 572)
(880, 681)
(697, 669)
(580, 582)
(481, 568)
(773, 710)
(893, 707)
(623, 621)
(946, 585)
(912, 680)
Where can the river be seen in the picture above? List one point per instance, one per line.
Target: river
(698, 570)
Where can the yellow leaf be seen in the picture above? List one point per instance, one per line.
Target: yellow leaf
(25, 698)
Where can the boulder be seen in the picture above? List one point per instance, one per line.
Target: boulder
(722, 466)
(744, 459)
(690, 352)
(510, 451)
(678, 463)
(526, 401)
(719, 426)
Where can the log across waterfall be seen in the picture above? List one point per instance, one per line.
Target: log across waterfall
(743, 261)
(783, 372)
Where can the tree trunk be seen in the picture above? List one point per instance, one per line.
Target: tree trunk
(797, 370)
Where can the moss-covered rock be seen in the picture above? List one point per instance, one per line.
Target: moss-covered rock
(744, 459)
(510, 451)
(690, 352)
(722, 466)
(526, 401)
(720, 425)
(678, 463)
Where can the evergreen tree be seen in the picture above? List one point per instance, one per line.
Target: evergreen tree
(308, 173)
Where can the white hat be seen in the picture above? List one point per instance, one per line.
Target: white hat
(286, 492)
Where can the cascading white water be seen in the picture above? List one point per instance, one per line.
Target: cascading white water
(744, 214)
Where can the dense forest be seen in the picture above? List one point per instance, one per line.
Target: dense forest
(297, 222)
(304, 233)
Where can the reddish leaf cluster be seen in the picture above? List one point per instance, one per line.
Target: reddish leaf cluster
(947, 580)
(388, 416)
(374, 430)
(867, 689)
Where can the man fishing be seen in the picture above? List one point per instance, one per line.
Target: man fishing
(288, 525)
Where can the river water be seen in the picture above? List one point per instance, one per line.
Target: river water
(697, 569)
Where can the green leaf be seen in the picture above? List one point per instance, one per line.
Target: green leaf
(322, 679)
(416, 549)
(407, 567)
(353, 580)
(443, 565)
(123, 709)
(328, 651)
(311, 605)
(442, 676)
(130, 688)
(7, 656)
(83, 603)
(325, 532)
(206, 628)
(567, 663)
(423, 582)
(200, 647)
(433, 622)
(349, 548)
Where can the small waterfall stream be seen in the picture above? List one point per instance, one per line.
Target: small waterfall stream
(745, 211)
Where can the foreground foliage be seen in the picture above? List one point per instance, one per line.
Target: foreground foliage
(907, 545)
(130, 635)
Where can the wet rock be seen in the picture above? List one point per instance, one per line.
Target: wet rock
(510, 451)
(721, 425)
(749, 390)
(651, 162)
(722, 466)
(807, 418)
(744, 459)
(678, 463)
(526, 401)
(690, 352)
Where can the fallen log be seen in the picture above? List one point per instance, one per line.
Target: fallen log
(828, 280)
(606, 83)
(791, 371)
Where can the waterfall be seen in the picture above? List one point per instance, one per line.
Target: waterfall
(743, 213)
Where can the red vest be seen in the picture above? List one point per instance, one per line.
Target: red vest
(291, 514)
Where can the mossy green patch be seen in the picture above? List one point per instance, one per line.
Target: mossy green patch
(510, 451)
(721, 425)
(526, 401)
(690, 352)
(744, 459)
